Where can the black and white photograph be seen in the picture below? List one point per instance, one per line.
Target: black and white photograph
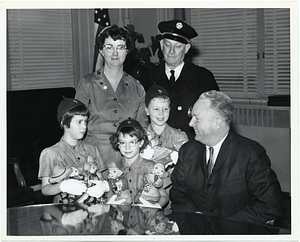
(139, 121)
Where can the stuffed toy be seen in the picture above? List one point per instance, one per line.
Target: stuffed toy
(156, 152)
(118, 185)
(160, 175)
(60, 174)
(152, 182)
(90, 174)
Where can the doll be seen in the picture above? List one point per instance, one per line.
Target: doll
(160, 175)
(60, 174)
(154, 151)
(90, 174)
(149, 191)
(158, 153)
(118, 184)
(154, 180)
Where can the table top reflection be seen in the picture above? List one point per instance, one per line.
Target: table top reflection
(104, 219)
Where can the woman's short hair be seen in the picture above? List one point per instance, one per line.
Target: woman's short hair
(220, 103)
(115, 33)
(81, 110)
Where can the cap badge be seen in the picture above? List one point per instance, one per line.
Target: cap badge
(128, 122)
(75, 101)
(179, 25)
(160, 91)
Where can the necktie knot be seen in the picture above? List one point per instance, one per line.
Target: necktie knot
(172, 77)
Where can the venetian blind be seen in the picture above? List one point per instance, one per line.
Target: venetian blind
(228, 45)
(40, 48)
(277, 51)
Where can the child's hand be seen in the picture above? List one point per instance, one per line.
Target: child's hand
(113, 200)
(148, 204)
(72, 186)
(99, 189)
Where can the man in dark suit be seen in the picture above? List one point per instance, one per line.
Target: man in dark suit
(223, 173)
(189, 80)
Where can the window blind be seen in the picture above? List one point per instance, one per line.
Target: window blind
(277, 51)
(228, 45)
(228, 41)
(40, 48)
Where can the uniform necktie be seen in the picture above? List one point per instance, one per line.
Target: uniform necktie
(172, 77)
(210, 161)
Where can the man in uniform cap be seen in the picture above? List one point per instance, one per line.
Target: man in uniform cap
(189, 80)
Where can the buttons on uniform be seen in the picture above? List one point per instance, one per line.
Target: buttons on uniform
(209, 185)
(129, 180)
(179, 108)
(115, 111)
(115, 99)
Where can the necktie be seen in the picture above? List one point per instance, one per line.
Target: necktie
(210, 161)
(172, 77)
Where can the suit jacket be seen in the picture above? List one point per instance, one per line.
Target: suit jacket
(242, 185)
(192, 82)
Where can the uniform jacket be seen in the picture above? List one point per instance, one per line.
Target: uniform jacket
(242, 185)
(192, 82)
(109, 108)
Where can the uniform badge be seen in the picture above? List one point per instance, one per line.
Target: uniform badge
(179, 25)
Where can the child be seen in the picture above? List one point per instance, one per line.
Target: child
(130, 139)
(70, 151)
(168, 139)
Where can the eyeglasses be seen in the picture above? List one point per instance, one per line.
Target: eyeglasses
(119, 48)
(130, 143)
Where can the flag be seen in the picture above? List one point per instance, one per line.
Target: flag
(101, 18)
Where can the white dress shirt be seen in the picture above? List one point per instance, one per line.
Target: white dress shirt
(177, 71)
(217, 148)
